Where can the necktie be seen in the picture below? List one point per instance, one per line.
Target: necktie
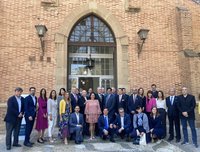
(85, 99)
(171, 100)
(106, 123)
(75, 98)
(107, 99)
(134, 99)
(120, 99)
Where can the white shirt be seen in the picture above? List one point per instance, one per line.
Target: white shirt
(134, 96)
(33, 97)
(122, 122)
(52, 107)
(161, 104)
(19, 102)
(172, 99)
(77, 117)
(120, 97)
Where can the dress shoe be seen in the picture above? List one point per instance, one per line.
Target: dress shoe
(127, 140)
(77, 142)
(8, 147)
(31, 143)
(112, 140)
(17, 145)
(28, 145)
(177, 140)
(170, 139)
(43, 139)
(41, 142)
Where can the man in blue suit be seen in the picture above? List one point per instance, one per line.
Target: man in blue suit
(155, 92)
(104, 127)
(74, 99)
(123, 121)
(134, 101)
(14, 117)
(109, 102)
(30, 113)
(76, 123)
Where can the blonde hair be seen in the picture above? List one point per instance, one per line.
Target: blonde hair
(69, 99)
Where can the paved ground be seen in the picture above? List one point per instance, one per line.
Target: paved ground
(99, 145)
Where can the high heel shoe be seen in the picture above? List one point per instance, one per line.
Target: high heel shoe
(40, 141)
(43, 139)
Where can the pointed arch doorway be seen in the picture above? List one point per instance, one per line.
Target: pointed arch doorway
(91, 37)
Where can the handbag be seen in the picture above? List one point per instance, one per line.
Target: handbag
(143, 140)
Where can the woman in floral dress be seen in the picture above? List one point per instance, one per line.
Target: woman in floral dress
(92, 111)
(64, 110)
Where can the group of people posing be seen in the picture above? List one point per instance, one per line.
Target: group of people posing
(78, 114)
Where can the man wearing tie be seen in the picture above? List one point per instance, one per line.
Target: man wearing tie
(76, 123)
(173, 116)
(104, 127)
(121, 101)
(30, 113)
(110, 103)
(155, 93)
(14, 117)
(134, 101)
(126, 98)
(74, 99)
(123, 121)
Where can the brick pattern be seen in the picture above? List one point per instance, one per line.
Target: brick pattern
(159, 61)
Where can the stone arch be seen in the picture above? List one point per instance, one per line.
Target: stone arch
(61, 40)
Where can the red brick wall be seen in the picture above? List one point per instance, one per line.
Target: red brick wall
(159, 61)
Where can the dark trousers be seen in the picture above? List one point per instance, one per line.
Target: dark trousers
(131, 119)
(134, 132)
(174, 120)
(29, 127)
(123, 132)
(111, 132)
(163, 115)
(77, 131)
(192, 127)
(9, 129)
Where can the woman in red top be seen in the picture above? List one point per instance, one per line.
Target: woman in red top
(150, 102)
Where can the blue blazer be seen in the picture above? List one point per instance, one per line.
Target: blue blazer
(13, 109)
(111, 104)
(73, 101)
(29, 106)
(127, 122)
(172, 109)
(101, 124)
(131, 105)
(73, 122)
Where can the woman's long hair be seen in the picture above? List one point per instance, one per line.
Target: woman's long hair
(45, 94)
(157, 113)
(50, 96)
(60, 91)
(162, 95)
(69, 99)
(142, 92)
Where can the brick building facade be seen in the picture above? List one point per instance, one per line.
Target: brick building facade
(169, 57)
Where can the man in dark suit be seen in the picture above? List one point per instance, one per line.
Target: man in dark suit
(173, 115)
(30, 113)
(89, 91)
(104, 126)
(123, 121)
(126, 98)
(186, 106)
(76, 123)
(74, 98)
(109, 102)
(14, 117)
(114, 91)
(134, 101)
(121, 101)
(155, 93)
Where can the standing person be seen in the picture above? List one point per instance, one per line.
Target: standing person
(65, 110)
(186, 106)
(14, 117)
(92, 111)
(173, 115)
(150, 102)
(109, 102)
(52, 109)
(141, 94)
(81, 89)
(104, 126)
(30, 103)
(134, 101)
(155, 123)
(121, 101)
(126, 98)
(123, 121)
(114, 91)
(42, 123)
(155, 93)
(103, 91)
(89, 91)
(161, 105)
(76, 123)
(74, 99)
(60, 97)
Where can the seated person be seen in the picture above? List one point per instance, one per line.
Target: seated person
(76, 122)
(104, 127)
(123, 121)
(156, 127)
(140, 124)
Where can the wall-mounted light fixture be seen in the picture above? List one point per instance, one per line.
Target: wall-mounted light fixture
(41, 30)
(90, 63)
(143, 35)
